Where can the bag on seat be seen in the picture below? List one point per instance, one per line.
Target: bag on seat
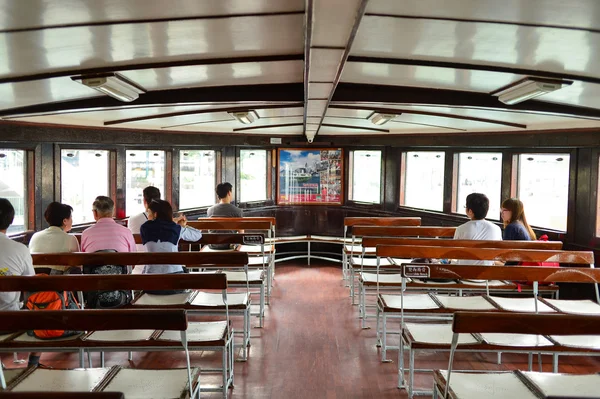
(107, 299)
(50, 300)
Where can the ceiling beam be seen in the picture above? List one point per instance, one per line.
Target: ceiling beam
(153, 65)
(438, 114)
(473, 67)
(291, 92)
(198, 112)
(406, 95)
(242, 129)
(308, 32)
(373, 129)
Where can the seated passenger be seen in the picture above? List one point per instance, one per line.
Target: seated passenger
(161, 234)
(135, 222)
(515, 223)
(55, 237)
(106, 234)
(15, 260)
(224, 209)
(477, 228)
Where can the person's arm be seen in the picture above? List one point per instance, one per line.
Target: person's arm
(73, 244)
(131, 242)
(190, 234)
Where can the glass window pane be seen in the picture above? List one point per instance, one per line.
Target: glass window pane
(143, 169)
(480, 172)
(253, 175)
(83, 177)
(12, 186)
(544, 189)
(424, 185)
(196, 179)
(366, 176)
(598, 203)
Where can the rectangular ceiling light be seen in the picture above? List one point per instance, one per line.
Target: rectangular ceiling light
(114, 85)
(381, 119)
(246, 117)
(528, 89)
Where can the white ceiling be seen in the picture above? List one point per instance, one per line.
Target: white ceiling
(198, 60)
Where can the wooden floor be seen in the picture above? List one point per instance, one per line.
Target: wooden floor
(312, 346)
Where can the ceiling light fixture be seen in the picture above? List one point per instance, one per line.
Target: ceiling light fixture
(529, 88)
(246, 117)
(113, 84)
(381, 119)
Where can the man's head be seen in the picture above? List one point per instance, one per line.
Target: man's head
(477, 206)
(7, 214)
(103, 207)
(150, 193)
(224, 192)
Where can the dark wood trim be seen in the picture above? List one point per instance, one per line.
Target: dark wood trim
(280, 92)
(402, 180)
(454, 206)
(241, 129)
(196, 123)
(372, 129)
(450, 162)
(483, 21)
(364, 93)
(112, 174)
(57, 173)
(168, 182)
(575, 203)
(308, 32)
(358, 18)
(152, 65)
(473, 67)
(506, 177)
(150, 20)
(197, 112)
(428, 113)
(426, 124)
(30, 185)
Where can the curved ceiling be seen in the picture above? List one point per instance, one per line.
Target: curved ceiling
(314, 67)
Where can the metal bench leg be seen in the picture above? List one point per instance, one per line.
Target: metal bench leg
(261, 314)
(499, 359)
(384, 358)
(555, 363)
(364, 308)
(225, 371)
(401, 380)
(377, 332)
(308, 259)
(529, 361)
(411, 372)
(130, 358)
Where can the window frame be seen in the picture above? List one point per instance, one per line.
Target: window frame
(177, 177)
(168, 177)
(269, 178)
(32, 193)
(350, 178)
(403, 179)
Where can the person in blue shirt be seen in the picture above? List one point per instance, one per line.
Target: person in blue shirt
(515, 223)
(162, 234)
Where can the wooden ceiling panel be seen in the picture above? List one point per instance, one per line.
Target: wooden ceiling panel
(73, 48)
(574, 13)
(547, 49)
(48, 13)
(218, 75)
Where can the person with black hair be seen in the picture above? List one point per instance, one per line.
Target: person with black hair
(477, 228)
(223, 209)
(55, 238)
(135, 222)
(161, 234)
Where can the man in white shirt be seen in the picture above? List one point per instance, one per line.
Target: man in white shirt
(477, 228)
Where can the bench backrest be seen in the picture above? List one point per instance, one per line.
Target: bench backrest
(499, 254)
(382, 221)
(219, 238)
(100, 282)
(63, 395)
(371, 242)
(403, 231)
(99, 320)
(189, 259)
(230, 224)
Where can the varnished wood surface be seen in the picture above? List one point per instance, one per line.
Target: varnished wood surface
(369, 242)
(228, 224)
(85, 320)
(212, 238)
(382, 221)
(512, 273)
(62, 395)
(401, 231)
(499, 254)
(108, 282)
(312, 346)
(525, 323)
(142, 258)
(269, 219)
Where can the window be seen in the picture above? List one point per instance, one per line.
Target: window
(143, 169)
(83, 177)
(598, 203)
(366, 176)
(12, 186)
(253, 175)
(543, 186)
(480, 172)
(196, 178)
(424, 180)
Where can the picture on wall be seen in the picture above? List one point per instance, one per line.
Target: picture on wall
(310, 176)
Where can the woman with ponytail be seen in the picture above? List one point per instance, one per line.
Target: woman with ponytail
(515, 223)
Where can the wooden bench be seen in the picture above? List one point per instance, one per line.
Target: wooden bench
(552, 326)
(64, 395)
(172, 320)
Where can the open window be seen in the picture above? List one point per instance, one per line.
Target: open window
(197, 178)
(424, 180)
(253, 175)
(479, 172)
(365, 175)
(143, 168)
(13, 187)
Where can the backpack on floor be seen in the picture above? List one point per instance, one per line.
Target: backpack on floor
(51, 300)
(107, 299)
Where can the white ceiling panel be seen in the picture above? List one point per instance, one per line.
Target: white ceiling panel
(218, 75)
(21, 94)
(579, 93)
(319, 90)
(316, 107)
(438, 121)
(279, 112)
(26, 14)
(547, 49)
(74, 48)
(349, 113)
(286, 130)
(572, 13)
(324, 64)
(333, 22)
